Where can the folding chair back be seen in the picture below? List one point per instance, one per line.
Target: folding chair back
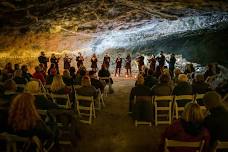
(183, 144)
(20, 87)
(221, 145)
(63, 100)
(85, 103)
(99, 101)
(108, 86)
(179, 103)
(163, 103)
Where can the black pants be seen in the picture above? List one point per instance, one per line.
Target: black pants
(117, 70)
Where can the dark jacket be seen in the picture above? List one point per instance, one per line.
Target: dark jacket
(162, 89)
(182, 88)
(200, 87)
(43, 103)
(150, 81)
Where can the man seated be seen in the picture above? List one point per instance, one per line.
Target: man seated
(98, 84)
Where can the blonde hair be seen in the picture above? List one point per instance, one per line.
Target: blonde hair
(140, 80)
(32, 87)
(192, 113)
(22, 113)
(57, 83)
(66, 73)
(86, 81)
(183, 77)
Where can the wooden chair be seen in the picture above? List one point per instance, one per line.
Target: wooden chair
(138, 122)
(99, 100)
(20, 87)
(12, 140)
(158, 100)
(85, 103)
(220, 145)
(199, 99)
(106, 89)
(178, 103)
(174, 143)
(63, 100)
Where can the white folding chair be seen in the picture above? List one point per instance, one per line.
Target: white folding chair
(63, 100)
(106, 89)
(99, 100)
(175, 143)
(178, 103)
(221, 145)
(163, 103)
(85, 103)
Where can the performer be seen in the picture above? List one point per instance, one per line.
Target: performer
(106, 60)
(55, 60)
(43, 59)
(67, 62)
(161, 60)
(140, 60)
(79, 60)
(171, 62)
(94, 62)
(152, 62)
(118, 64)
(128, 64)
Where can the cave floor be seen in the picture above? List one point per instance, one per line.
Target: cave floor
(113, 130)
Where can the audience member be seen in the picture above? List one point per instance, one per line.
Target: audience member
(67, 79)
(150, 80)
(188, 128)
(25, 73)
(98, 84)
(199, 86)
(38, 75)
(58, 86)
(18, 78)
(209, 71)
(163, 88)
(183, 87)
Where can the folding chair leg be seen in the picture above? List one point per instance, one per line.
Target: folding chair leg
(156, 117)
(93, 109)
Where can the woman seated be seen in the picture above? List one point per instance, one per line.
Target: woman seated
(142, 109)
(188, 128)
(58, 86)
(103, 72)
(41, 100)
(183, 87)
(67, 79)
(24, 120)
(18, 77)
(199, 86)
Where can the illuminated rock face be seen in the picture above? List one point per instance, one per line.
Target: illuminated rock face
(196, 30)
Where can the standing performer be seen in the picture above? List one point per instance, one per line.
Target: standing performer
(172, 62)
(140, 60)
(55, 60)
(128, 64)
(67, 62)
(43, 59)
(152, 62)
(118, 65)
(94, 62)
(79, 60)
(161, 60)
(106, 60)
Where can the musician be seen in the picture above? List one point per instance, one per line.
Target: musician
(171, 62)
(118, 64)
(152, 62)
(140, 60)
(55, 60)
(94, 62)
(67, 62)
(128, 64)
(161, 60)
(43, 59)
(79, 60)
(106, 60)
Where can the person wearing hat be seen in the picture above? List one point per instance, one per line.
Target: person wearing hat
(217, 121)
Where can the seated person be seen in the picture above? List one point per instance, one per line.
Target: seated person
(199, 86)
(86, 88)
(25, 73)
(67, 79)
(150, 80)
(39, 75)
(217, 121)
(183, 87)
(24, 120)
(103, 72)
(163, 88)
(18, 77)
(98, 84)
(58, 86)
(142, 109)
(41, 100)
(188, 128)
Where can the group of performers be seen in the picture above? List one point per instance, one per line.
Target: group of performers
(106, 61)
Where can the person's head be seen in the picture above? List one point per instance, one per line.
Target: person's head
(32, 87)
(192, 113)
(79, 53)
(164, 78)
(66, 55)
(212, 100)
(8, 65)
(161, 53)
(66, 73)
(86, 81)
(140, 80)
(210, 66)
(22, 113)
(92, 74)
(53, 55)
(94, 55)
(199, 78)
(72, 70)
(52, 65)
(182, 78)
(42, 53)
(177, 72)
(38, 69)
(24, 68)
(10, 85)
(172, 55)
(18, 73)
(57, 83)
(16, 66)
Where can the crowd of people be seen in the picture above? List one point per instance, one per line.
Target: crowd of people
(20, 107)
